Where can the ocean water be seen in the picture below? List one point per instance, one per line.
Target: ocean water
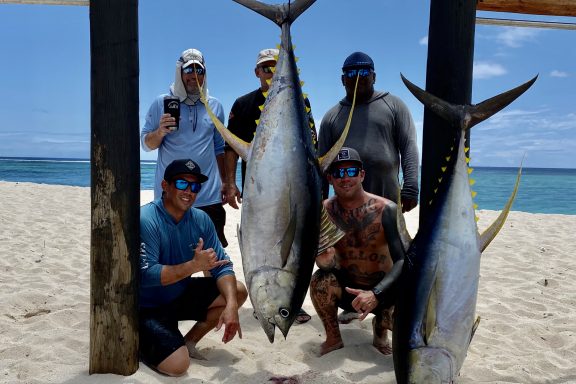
(542, 190)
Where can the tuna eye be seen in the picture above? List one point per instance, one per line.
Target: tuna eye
(284, 312)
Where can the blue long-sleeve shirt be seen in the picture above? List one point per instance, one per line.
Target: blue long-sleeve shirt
(165, 242)
(196, 139)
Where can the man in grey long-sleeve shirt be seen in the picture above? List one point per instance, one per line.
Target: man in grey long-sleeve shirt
(382, 131)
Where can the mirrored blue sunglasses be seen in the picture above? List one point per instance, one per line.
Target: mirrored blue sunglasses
(193, 69)
(352, 73)
(182, 185)
(339, 173)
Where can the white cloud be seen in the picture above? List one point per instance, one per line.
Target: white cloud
(423, 41)
(516, 37)
(486, 70)
(556, 73)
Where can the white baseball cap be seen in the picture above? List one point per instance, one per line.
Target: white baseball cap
(192, 56)
(269, 54)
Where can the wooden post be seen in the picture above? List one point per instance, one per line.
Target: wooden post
(115, 192)
(448, 76)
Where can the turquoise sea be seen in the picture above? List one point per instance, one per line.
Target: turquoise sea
(542, 190)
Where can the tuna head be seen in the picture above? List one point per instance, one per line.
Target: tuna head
(430, 366)
(272, 292)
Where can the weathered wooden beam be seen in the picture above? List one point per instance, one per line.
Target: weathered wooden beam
(115, 187)
(524, 23)
(47, 2)
(532, 7)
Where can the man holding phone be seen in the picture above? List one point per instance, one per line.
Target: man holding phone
(193, 135)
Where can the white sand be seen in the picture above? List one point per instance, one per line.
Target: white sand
(527, 302)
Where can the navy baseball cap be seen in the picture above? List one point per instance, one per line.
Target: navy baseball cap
(358, 60)
(184, 167)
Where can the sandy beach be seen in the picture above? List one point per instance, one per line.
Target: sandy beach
(527, 303)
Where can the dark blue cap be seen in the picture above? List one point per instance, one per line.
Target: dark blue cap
(184, 167)
(358, 60)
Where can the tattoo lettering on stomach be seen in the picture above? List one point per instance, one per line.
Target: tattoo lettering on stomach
(363, 277)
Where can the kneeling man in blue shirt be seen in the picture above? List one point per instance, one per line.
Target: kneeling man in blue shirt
(178, 241)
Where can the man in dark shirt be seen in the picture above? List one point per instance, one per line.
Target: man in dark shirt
(244, 116)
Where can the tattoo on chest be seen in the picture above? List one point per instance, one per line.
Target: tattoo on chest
(361, 224)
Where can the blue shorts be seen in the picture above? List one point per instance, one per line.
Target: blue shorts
(159, 333)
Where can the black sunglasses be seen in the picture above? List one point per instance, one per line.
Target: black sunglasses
(339, 173)
(192, 69)
(362, 72)
(267, 69)
(182, 185)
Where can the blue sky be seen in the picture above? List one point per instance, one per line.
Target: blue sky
(45, 69)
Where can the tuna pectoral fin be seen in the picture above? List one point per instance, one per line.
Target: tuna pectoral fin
(327, 159)
(285, 244)
(241, 147)
(401, 224)
(490, 233)
(239, 234)
(330, 233)
(474, 328)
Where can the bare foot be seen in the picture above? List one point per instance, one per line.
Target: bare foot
(193, 352)
(385, 348)
(329, 347)
(380, 339)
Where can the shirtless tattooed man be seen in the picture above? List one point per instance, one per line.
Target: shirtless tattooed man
(359, 273)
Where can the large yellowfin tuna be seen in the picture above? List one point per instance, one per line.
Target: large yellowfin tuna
(281, 207)
(435, 311)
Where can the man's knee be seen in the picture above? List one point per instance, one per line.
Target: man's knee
(176, 364)
(242, 293)
(323, 282)
(322, 275)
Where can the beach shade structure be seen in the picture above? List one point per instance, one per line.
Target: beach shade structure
(115, 149)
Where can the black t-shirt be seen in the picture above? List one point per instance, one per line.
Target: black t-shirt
(243, 116)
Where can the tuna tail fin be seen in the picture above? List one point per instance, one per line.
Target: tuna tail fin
(490, 233)
(327, 159)
(280, 13)
(330, 233)
(467, 116)
(241, 147)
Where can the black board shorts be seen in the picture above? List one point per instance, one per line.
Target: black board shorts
(159, 333)
(345, 301)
